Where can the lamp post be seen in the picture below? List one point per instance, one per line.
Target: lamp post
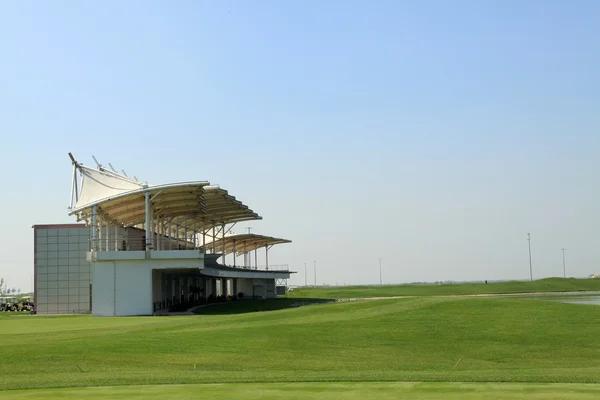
(305, 284)
(380, 280)
(564, 268)
(315, 267)
(530, 268)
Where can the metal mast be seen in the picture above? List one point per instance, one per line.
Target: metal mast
(564, 268)
(530, 268)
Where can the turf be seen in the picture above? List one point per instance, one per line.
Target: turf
(246, 306)
(542, 285)
(436, 339)
(13, 313)
(325, 391)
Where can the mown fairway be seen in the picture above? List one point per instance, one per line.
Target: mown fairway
(542, 285)
(435, 339)
(325, 391)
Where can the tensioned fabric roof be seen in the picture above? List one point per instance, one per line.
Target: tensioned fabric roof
(245, 242)
(121, 200)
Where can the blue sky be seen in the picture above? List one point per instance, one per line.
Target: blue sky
(432, 134)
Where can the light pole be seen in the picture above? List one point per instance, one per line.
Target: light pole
(530, 269)
(564, 268)
(380, 280)
(305, 275)
(315, 267)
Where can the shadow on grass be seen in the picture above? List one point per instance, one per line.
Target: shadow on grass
(248, 306)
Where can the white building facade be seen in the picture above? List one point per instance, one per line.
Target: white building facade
(145, 249)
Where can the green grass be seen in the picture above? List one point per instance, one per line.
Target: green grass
(246, 306)
(325, 391)
(542, 285)
(434, 339)
(13, 313)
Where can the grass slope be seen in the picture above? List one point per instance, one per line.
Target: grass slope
(246, 306)
(542, 285)
(325, 391)
(416, 339)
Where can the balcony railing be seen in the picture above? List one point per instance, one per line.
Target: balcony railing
(139, 244)
(162, 243)
(280, 267)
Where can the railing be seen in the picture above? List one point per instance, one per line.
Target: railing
(139, 244)
(162, 243)
(280, 267)
(275, 267)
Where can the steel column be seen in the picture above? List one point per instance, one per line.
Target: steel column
(94, 227)
(100, 233)
(107, 236)
(223, 238)
(267, 257)
(234, 255)
(147, 221)
(185, 231)
(214, 248)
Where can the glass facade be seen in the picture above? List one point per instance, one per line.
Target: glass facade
(63, 279)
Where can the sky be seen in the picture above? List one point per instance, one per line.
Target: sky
(431, 134)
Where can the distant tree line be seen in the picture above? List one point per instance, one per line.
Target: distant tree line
(6, 291)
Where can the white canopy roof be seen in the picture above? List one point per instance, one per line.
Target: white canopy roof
(121, 201)
(97, 186)
(245, 242)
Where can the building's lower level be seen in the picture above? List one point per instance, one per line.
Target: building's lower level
(71, 278)
(154, 283)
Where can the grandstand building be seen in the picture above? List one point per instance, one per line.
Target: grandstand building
(142, 249)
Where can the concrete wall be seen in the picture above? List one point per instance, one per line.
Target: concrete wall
(124, 284)
(61, 272)
(103, 294)
(270, 289)
(134, 288)
(264, 288)
(122, 288)
(135, 239)
(259, 288)
(244, 286)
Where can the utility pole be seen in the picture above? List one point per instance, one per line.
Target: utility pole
(315, 267)
(380, 280)
(530, 269)
(564, 268)
(305, 284)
